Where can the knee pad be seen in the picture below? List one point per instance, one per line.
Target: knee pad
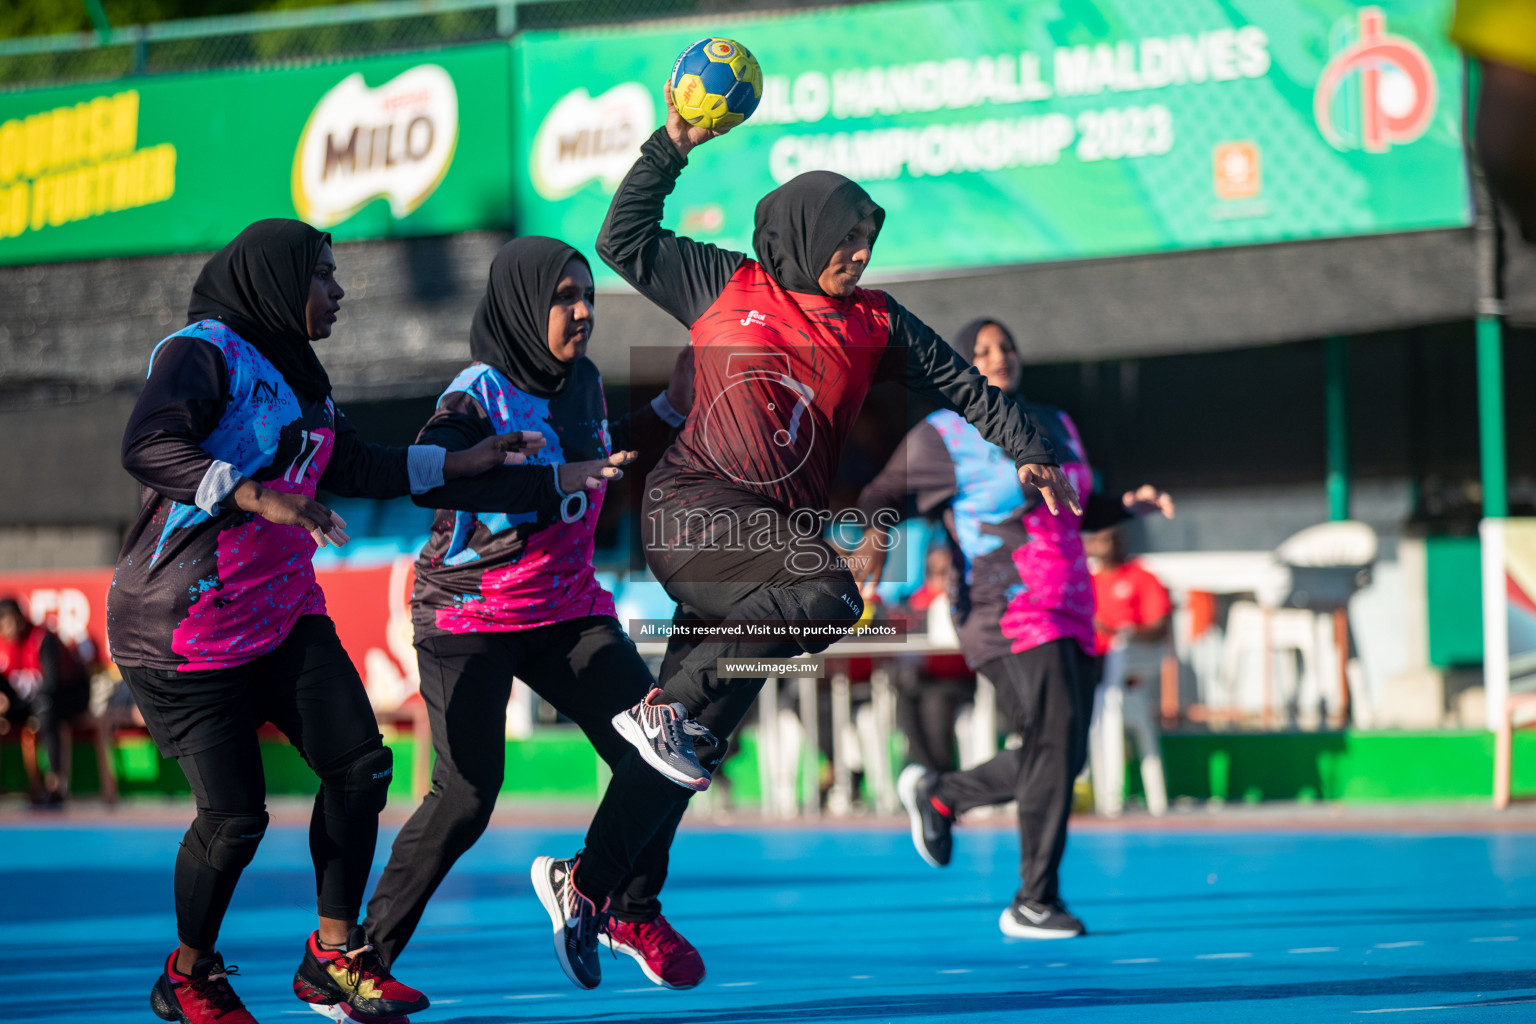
(225, 842)
(365, 784)
(828, 600)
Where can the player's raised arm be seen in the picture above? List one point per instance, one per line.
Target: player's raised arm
(680, 275)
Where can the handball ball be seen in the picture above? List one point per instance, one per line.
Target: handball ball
(716, 83)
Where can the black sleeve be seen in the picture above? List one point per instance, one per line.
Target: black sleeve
(680, 275)
(1101, 511)
(926, 364)
(359, 469)
(458, 423)
(921, 468)
(179, 407)
(643, 430)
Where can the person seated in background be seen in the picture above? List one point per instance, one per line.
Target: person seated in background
(1131, 623)
(42, 686)
(927, 704)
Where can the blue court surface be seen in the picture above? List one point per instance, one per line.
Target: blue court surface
(845, 924)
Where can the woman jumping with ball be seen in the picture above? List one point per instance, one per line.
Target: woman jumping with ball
(786, 347)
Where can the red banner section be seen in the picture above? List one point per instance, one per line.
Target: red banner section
(369, 606)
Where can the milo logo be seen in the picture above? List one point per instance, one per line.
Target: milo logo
(394, 142)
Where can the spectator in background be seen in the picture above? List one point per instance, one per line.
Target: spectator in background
(1131, 604)
(44, 685)
(926, 708)
(1131, 622)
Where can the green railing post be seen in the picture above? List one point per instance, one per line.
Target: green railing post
(1490, 415)
(1336, 412)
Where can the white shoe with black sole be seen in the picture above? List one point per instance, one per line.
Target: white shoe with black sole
(1026, 919)
(664, 734)
(575, 919)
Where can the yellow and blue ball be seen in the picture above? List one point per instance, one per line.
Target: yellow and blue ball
(716, 83)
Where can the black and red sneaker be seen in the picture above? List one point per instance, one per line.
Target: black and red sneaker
(353, 981)
(201, 996)
(667, 958)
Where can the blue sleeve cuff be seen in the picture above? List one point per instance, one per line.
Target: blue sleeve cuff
(670, 416)
(424, 465)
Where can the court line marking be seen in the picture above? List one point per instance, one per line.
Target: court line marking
(648, 988)
(736, 984)
(1055, 965)
(1139, 960)
(1450, 1006)
(1222, 956)
(537, 995)
(1314, 949)
(1398, 945)
(859, 977)
(1496, 938)
(957, 970)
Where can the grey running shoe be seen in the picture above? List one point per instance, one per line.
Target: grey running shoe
(932, 823)
(576, 919)
(664, 734)
(1026, 919)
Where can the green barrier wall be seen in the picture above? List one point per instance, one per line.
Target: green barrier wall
(1360, 767)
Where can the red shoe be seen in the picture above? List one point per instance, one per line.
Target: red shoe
(665, 956)
(201, 997)
(355, 980)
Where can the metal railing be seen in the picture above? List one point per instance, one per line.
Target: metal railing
(312, 34)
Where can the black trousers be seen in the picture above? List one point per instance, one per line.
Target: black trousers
(310, 690)
(589, 670)
(52, 704)
(925, 713)
(774, 574)
(1046, 694)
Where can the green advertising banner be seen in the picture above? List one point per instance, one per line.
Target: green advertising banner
(999, 132)
(402, 145)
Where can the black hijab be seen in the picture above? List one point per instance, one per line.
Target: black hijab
(258, 285)
(803, 221)
(965, 341)
(511, 326)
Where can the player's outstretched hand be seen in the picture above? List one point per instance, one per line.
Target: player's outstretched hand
(1053, 485)
(510, 449)
(1146, 499)
(287, 509)
(680, 387)
(684, 135)
(589, 476)
(867, 561)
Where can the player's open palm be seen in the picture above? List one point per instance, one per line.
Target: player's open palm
(1054, 487)
(510, 449)
(592, 474)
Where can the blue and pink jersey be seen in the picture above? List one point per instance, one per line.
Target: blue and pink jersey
(200, 584)
(530, 564)
(1021, 577)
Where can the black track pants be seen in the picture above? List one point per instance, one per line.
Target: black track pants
(207, 720)
(1046, 695)
(589, 670)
